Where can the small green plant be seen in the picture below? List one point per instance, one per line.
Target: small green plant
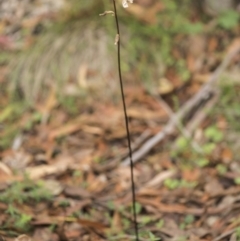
(237, 232)
(160, 223)
(126, 223)
(35, 118)
(9, 117)
(64, 203)
(171, 183)
(138, 207)
(84, 184)
(111, 205)
(182, 70)
(189, 219)
(208, 148)
(213, 134)
(237, 180)
(149, 236)
(228, 19)
(222, 169)
(145, 220)
(53, 227)
(77, 173)
(17, 219)
(187, 184)
(182, 143)
(25, 191)
(23, 222)
(11, 210)
(69, 104)
(152, 237)
(229, 104)
(97, 159)
(202, 162)
(182, 238)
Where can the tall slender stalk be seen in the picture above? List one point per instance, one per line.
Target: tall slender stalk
(118, 39)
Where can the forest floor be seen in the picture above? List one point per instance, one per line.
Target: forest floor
(64, 168)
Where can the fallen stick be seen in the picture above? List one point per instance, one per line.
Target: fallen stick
(201, 115)
(203, 94)
(197, 119)
(224, 235)
(183, 131)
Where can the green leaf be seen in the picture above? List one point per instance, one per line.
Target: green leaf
(189, 219)
(202, 162)
(238, 233)
(182, 143)
(160, 223)
(193, 28)
(126, 223)
(186, 184)
(23, 221)
(221, 169)
(152, 237)
(12, 210)
(209, 147)
(213, 133)
(171, 183)
(237, 180)
(146, 219)
(138, 207)
(111, 205)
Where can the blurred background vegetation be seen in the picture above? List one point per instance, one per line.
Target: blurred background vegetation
(72, 52)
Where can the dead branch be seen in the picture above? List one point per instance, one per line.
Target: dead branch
(184, 131)
(208, 89)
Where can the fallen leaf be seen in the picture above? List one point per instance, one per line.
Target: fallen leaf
(191, 174)
(145, 114)
(227, 155)
(23, 237)
(53, 186)
(213, 186)
(92, 224)
(160, 178)
(165, 86)
(18, 160)
(76, 192)
(58, 167)
(65, 130)
(82, 76)
(44, 234)
(116, 222)
(170, 208)
(98, 184)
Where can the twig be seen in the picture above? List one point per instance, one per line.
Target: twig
(202, 114)
(198, 118)
(203, 94)
(184, 131)
(224, 235)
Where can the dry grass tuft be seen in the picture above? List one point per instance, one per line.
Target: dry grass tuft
(75, 60)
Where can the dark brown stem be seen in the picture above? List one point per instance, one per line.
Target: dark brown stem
(126, 122)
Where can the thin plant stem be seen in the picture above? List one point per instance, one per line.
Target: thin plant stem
(126, 122)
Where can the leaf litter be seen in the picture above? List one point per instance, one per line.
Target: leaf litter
(77, 161)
